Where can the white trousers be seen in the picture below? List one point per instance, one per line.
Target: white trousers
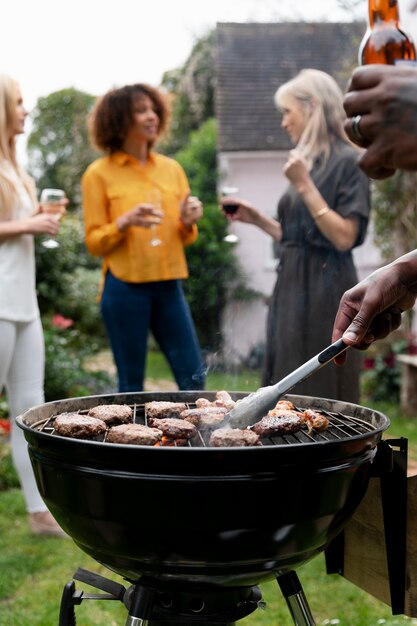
(22, 364)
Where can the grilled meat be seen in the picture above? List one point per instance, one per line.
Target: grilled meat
(173, 428)
(285, 404)
(206, 418)
(202, 402)
(162, 409)
(225, 437)
(279, 412)
(315, 421)
(278, 422)
(173, 423)
(136, 434)
(78, 426)
(224, 399)
(112, 413)
(284, 419)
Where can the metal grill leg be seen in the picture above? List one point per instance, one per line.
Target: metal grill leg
(296, 600)
(140, 609)
(67, 612)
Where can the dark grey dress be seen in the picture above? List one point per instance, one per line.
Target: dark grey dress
(312, 276)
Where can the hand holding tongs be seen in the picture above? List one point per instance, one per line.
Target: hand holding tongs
(257, 404)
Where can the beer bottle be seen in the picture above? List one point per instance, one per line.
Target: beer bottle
(384, 41)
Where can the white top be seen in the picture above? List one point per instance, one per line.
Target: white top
(18, 301)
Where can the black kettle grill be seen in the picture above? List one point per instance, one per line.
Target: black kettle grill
(198, 526)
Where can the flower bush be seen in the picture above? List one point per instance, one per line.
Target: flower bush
(59, 321)
(67, 285)
(8, 476)
(381, 375)
(66, 348)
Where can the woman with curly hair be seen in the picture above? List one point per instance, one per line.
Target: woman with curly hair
(139, 215)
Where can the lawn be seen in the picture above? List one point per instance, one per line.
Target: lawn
(33, 570)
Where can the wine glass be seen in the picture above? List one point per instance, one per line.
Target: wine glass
(230, 208)
(153, 196)
(52, 201)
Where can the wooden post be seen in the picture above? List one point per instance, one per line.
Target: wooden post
(408, 392)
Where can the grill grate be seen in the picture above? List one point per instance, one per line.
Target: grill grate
(341, 427)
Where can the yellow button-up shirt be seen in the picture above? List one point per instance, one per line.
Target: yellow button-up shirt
(115, 184)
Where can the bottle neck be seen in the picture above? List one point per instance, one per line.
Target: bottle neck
(383, 11)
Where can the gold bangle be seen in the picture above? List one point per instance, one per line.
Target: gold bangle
(322, 212)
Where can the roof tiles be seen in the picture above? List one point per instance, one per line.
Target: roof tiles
(254, 59)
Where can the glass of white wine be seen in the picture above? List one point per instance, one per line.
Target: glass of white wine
(53, 202)
(153, 196)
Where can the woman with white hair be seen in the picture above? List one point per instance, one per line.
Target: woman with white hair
(321, 216)
(21, 334)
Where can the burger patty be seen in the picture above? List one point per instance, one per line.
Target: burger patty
(207, 417)
(162, 410)
(136, 434)
(278, 423)
(225, 437)
(112, 413)
(78, 426)
(173, 428)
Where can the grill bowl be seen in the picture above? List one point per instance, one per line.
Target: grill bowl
(228, 516)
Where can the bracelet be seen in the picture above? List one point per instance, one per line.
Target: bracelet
(322, 212)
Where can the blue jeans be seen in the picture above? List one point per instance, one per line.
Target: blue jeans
(131, 310)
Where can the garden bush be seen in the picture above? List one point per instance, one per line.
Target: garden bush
(67, 284)
(55, 267)
(8, 476)
(65, 351)
(381, 376)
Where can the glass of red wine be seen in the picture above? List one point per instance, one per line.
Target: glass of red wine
(229, 208)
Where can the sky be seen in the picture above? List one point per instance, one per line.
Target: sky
(94, 45)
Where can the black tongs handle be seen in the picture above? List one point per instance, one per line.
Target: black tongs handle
(311, 366)
(332, 351)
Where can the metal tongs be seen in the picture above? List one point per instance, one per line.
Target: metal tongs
(257, 404)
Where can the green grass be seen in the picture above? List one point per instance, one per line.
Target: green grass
(400, 426)
(33, 570)
(233, 380)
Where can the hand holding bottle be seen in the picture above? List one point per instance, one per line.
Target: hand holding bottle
(384, 98)
(385, 42)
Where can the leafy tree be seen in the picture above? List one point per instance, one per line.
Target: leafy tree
(214, 270)
(192, 87)
(215, 273)
(199, 159)
(394, 209)
(59, 152)
(58, 147)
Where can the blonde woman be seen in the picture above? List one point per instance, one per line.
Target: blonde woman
(321, 216)
(21, 335)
